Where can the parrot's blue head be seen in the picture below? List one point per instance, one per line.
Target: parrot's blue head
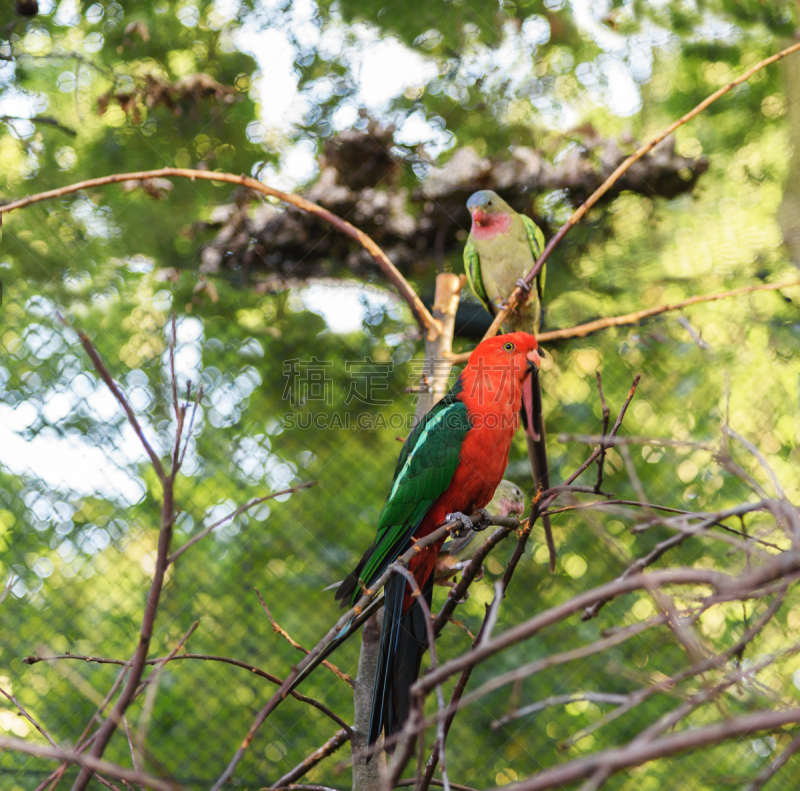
(489, 212)
(484, 200)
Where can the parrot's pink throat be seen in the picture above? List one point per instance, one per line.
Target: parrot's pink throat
(487, 226)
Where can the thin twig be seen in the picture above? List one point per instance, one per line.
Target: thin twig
(232, 515)
(774, 766)
(605, 441)
(684, 322)
(286, 636)
(559, 700)
(329, 748)
(130, 745)
(582, 330)
(37, 119)
(12, 578)
(197, 399)
(728, 431)
(33, 659)
(101, 369)
(28, 717)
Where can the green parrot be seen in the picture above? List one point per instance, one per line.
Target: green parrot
(501, 249)
(508, 500)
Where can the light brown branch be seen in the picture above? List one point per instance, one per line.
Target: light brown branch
(28, 717)
(520, 293)
(33, 659)
(582, 330)
(620, 758)
(525, 630)
(294, 644)
(101, 369)
(421, 313)
(329, 748)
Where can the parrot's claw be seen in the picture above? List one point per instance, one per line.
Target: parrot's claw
(523, 285)
(464, 563)
(486, 520)
(462, 599)
(466, 523)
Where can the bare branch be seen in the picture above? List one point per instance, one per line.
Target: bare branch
(32, 660)
(101, 369)
(761, 460)
(28, 717)
(617, 759)
(560, 700)
(329, 748)
(286, 636)
(582, 330)
(233, 514)
(421, 313)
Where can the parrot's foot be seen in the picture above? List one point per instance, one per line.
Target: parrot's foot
(464, 563)
(523, 285)
(486, 520)
(462, 599)
(466, 523)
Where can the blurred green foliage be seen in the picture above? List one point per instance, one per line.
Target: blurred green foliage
(79, 505)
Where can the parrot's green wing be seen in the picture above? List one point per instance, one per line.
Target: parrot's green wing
(424, 471)
(472, 268)
(536, 241)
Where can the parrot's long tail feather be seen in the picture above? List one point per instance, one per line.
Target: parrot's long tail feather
(533, 422)
(404, 639)
(351, 628)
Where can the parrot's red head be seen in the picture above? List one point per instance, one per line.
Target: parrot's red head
(517, 351)
(491, 215)
(498, 366)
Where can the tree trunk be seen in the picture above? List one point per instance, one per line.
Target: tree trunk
(371, 777)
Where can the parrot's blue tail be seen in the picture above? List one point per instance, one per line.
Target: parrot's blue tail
(404, 638)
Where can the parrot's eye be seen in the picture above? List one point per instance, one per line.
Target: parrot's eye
(489, 203)
(509, 347)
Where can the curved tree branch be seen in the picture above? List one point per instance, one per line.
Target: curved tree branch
(426, 321)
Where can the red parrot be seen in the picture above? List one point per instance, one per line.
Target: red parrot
(450, 466)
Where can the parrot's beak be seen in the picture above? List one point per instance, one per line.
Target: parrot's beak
(534, 362)
(479, 217)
